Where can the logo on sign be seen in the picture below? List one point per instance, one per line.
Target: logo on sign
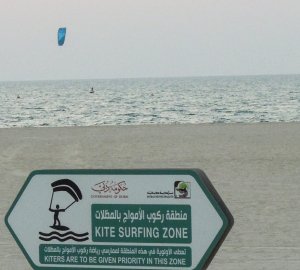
(182, 190)
(160, 194)
(110, 189)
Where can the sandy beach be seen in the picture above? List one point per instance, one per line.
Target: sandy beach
(254, 167)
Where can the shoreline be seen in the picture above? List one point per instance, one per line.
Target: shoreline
(158, 125)
(254, 167)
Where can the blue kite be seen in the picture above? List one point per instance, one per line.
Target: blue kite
(61, 35)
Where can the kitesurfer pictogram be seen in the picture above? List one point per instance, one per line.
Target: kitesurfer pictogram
(73, 193)
(72, 189)
(56, 213)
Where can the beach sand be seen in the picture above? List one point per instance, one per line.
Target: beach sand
(254, 167)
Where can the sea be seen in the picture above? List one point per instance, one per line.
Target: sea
(241, 99)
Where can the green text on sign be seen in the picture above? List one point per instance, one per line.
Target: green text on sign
(141, 223)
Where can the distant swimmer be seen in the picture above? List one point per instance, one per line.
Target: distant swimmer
(92, 90)
(18, 96)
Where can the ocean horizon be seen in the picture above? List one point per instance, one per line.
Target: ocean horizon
(139, 101)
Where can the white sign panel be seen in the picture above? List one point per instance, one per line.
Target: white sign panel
(119, 219)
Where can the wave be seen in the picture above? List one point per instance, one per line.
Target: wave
(64, 234)
(62, 237)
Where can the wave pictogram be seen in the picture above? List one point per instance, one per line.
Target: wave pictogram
(62, 237)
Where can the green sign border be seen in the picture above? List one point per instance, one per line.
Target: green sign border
(197, 174)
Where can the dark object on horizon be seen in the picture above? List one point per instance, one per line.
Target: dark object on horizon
(92, 90)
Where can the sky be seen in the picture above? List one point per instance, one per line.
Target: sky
(143, 38)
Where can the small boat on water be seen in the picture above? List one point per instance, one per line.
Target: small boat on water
(92, 91)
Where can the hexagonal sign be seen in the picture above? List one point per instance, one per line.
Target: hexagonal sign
(118, 219)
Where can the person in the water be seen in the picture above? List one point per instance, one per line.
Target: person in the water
(56, 213)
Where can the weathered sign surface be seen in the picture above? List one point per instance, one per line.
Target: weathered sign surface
(119, 219)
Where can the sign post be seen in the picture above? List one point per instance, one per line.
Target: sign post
(119, 219)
